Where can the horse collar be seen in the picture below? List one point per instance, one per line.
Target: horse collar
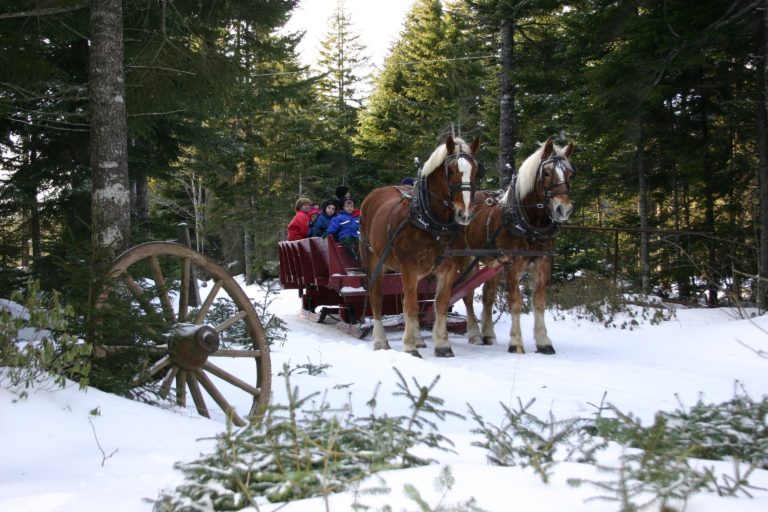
(517, 223)
(421, 215)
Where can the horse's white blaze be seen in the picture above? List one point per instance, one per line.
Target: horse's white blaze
(466, 176)
(560, 172)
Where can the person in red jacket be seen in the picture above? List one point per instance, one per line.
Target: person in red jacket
(298, 228)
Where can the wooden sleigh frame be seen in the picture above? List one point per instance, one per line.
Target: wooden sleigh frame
(331, 284)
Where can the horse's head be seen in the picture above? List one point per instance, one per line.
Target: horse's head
(451, 172)
(544, 180)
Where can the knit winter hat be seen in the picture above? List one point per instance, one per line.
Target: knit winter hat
(341, 191)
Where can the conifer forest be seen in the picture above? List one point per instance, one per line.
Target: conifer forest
(222, 128)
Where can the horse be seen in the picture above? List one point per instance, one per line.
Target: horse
(407, 230)
(525, 218)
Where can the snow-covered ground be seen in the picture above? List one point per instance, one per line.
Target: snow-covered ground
(66, 450)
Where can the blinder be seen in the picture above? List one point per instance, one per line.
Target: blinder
(559, 163)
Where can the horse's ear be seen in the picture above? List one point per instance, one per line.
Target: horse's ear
(450, 145)
(568, 151)
(547, 149)
(475, 147)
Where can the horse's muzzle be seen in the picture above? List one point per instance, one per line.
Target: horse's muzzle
(561, 211)
(463, 217)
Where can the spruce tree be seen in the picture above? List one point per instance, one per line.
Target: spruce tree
(343, 67)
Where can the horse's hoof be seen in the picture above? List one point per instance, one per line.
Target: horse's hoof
(489, 340)
(381, 346)
(443, 352)
(414, 353)
(476, 340)
(516, 349)
(548, 350)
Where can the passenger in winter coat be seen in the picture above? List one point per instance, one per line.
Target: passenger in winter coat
(342, 193)
(345, 227)
(327, 212)
(346, 224)
(298, 228)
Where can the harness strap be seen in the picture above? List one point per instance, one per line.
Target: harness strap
(390, 242)
(420, 214)
(517, 223)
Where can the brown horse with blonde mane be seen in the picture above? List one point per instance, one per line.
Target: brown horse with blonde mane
(526, 218)
(408, 230)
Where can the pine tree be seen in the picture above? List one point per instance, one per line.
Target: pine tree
(430, 84)
(343, 78)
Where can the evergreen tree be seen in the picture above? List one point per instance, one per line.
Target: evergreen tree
(431, 81)
(342, 65)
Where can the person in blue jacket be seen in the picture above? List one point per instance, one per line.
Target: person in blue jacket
(345, 227)
(327, 212)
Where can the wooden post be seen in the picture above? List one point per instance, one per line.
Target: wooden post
(194, 291)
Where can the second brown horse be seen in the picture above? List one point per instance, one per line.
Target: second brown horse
(527, 219)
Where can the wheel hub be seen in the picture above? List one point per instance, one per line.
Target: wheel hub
(191, 345)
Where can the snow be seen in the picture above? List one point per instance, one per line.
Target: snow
(67, 450)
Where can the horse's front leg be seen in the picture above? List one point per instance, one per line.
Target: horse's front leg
(374, 296)
(515, 306)
(473, 330)
(489, 297)
(412, 335)
(474, 335)
(440, 330)
(542, 272)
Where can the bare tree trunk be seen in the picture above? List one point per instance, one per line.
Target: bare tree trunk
(110, 197)
(34, 207)
(248, 247)
(507, 104)
(142, 198)
(762, 144)
(642, 185)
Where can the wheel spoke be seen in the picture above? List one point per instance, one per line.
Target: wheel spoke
(228, 377)
(184, 294)
(162, 291)
(116, 349)
(231, 321)
(232, 352)
(219, 399)
(197, 395)
(138, 294)
(151, 371)
(208, 301)
(159, 365)
(165, 387)
(181, 388)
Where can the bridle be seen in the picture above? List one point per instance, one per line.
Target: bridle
(559, 164)
(516, 219)
(421, 214)
(461, 186)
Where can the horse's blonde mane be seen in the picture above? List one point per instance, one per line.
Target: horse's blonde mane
(440, 153)
(526, 175)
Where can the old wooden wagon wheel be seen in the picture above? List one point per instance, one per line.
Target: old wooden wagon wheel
(147, 328)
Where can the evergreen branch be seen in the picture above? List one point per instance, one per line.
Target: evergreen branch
(43, 12)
